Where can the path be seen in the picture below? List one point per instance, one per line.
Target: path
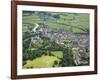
(36, 26)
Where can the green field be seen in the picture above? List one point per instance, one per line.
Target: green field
(57, 54)
(76, 22)
(41, 62)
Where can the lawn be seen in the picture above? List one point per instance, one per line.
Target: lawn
(57, 54)
(41, 62)
(33, 49)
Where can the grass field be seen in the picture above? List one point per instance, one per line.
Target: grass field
(57, 54)
(68, 22)
(41, 62)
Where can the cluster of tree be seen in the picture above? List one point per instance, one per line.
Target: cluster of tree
(32, 54)
(67, 59)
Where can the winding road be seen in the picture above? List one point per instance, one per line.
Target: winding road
(35, 28)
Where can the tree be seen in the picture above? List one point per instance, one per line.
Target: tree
(55, 63)
(56, 17)
(67, 59)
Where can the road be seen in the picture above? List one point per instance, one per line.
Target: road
(36, 26)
